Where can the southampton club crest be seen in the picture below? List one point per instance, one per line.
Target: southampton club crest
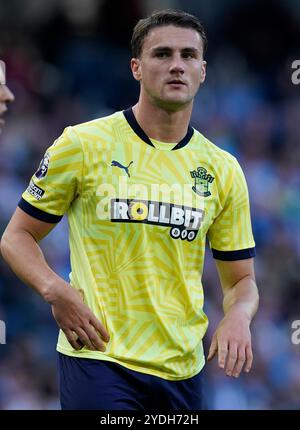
(202, 181)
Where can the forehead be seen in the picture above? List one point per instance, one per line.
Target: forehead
(173, 37)
(2, 73)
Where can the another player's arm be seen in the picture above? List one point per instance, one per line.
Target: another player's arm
(232, 339)
(20, 248)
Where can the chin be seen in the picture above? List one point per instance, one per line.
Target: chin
(177, 102)
(172, 106)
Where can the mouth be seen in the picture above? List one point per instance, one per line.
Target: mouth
(177, 82)
(176, 85)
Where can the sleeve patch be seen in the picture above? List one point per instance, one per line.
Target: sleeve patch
(35, 191)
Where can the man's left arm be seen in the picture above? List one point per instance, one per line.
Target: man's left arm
(232, 338)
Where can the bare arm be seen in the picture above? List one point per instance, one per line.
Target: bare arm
(232, 339)
(20, 249)
(239, 286)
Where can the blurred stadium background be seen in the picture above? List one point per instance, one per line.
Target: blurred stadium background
(68, 62)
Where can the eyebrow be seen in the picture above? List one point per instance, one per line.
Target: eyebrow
(169, 49)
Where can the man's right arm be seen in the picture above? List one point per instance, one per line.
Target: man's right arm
(20, 248)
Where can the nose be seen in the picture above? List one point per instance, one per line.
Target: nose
(177, 65)
(6, 96)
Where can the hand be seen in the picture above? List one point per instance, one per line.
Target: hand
(77, 321)
(232, 341)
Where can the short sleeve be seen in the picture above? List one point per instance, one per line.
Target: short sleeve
(230, 235)
(57, 181)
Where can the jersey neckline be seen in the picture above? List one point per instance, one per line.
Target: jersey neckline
(129, 115)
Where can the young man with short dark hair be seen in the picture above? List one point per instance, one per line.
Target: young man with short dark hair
(142, 190)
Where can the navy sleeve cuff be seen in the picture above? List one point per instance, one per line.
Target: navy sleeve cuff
(241, 254)
(37, 213)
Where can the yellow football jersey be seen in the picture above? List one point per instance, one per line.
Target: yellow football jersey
(139, 212)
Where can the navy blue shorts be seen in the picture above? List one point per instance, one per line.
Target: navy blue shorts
(89, 384)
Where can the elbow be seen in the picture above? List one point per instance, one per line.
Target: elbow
(4, 245)
(8, 245)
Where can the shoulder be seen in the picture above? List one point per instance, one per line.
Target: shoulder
(215, 150)
(217, 157)
(97, 125)
(97, 133)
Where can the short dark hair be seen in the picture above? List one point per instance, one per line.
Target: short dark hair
(161, 18)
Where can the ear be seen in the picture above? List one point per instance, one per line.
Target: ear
(135, 65)
(203, 72)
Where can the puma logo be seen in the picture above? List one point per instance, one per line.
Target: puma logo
(117, 164)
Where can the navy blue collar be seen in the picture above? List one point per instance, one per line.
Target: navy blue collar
(129, 115)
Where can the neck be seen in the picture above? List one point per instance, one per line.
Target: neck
(163, 125)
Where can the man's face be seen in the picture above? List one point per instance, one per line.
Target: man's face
(171, 66)
(6, 96)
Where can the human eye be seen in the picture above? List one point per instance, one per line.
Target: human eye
(189, 54)
(162, 54)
